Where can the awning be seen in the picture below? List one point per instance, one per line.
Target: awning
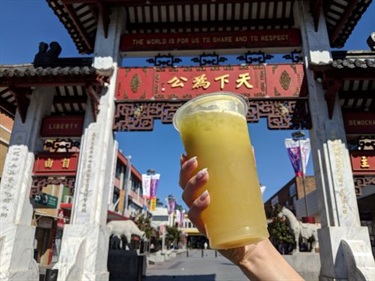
(110, 215)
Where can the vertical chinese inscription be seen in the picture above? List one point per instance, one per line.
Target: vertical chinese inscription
(339, 159)
(87, 174)
(8, 186)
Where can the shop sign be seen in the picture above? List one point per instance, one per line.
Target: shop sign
(181, 83)
(359, 122)
(363, 162)
(211, 40)
(62, 126)
(46, 200)
(62, 164)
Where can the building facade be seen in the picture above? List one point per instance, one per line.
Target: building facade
(6, 125)
(292, 195)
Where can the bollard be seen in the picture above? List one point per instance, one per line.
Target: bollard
(215, 254)
(140, 267)
(202, 253)
(187, 253)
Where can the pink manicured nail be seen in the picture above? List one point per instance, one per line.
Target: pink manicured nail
(201, 173)
(203, 195)
(191, 161)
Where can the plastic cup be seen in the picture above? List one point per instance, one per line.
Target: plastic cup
(213, 127)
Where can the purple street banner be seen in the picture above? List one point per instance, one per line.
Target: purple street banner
(146, 182)
(298, 152)
(171, 204)
(154, 184)
(182, 218)
(178, 218)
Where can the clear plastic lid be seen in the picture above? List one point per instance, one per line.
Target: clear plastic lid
(217, 101)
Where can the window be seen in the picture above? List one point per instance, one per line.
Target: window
(274, 201)
(292, 190)
(118, 170)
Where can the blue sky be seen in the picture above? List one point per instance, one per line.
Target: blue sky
(25, 23)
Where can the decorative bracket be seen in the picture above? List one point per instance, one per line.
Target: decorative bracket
(22, 100)
(255, 57)
(209, 59)
(164, 60)
(315, 8)
(294, 56)
(330, 95)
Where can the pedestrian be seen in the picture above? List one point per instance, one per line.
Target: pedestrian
(259, 261)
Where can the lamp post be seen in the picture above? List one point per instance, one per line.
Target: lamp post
(298, 136)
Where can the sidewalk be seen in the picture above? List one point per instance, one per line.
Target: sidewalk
(194, 267)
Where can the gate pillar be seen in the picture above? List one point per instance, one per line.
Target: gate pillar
(85, 241)
(345, 249)
(16, 232)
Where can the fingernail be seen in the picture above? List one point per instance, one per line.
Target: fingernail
(191, 161)
(203, 195)
(201, 173)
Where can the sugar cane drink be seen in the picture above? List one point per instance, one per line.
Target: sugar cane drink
(213, 127)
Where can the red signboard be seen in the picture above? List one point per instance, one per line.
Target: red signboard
(64, 164)
(62, 126)
(359, 122)
(254, 81)
(363, 162)
(211, 41)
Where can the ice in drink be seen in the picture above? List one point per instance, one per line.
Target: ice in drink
(214, 128)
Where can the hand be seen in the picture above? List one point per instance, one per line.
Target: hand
(198, 201)
(259, 261)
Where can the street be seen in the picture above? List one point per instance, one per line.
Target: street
(195, 267)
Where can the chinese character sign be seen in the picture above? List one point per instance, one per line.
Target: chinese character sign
(48, 163)
(363, 162)
(253, 81)
(298, 152)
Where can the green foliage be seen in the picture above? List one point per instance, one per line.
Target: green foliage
(279, 229)
(144, 224)
(173, 235)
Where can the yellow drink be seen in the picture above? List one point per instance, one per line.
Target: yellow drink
(220, 140)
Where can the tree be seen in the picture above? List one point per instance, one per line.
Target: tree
(173, 235)
(280, 234)
(144, 224)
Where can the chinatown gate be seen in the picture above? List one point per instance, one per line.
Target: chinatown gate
(300, 94)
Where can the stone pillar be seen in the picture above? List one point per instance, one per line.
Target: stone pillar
(345, 250)
(85, 242)
(16, 232)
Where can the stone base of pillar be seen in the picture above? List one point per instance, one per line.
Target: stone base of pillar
(342, 256)
(84, 253)
(17, 253)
